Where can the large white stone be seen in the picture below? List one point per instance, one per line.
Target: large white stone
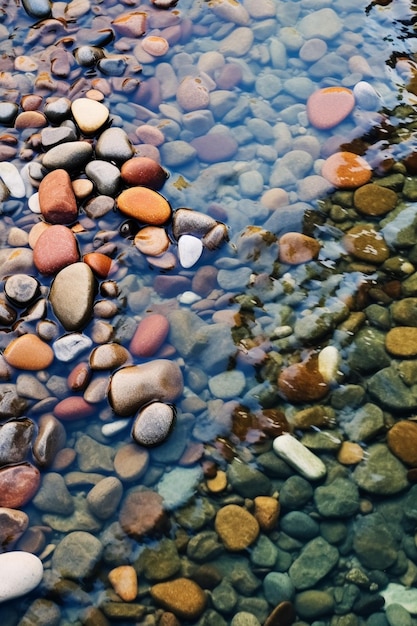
(398, 594)
(299, 457)
(190, 249)
(20, 573)
(89, 115)
(12, 179)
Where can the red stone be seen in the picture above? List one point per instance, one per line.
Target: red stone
(79, 377)
(55, 248)
(302, 382)
(150, 335)
(73, 408)
(18, 485)
(99, 263)
(56, 198)
(143, 171)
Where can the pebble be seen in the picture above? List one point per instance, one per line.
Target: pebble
(267, 510)
(73, 408)
(215, 147)
(71, 156)
(11, 177)
(192, 94)
(153, 424)
(374, 200)
(89, 115)
(13, 524)
(15, 441)
(142, 513)
(401, 341)
(50, 439)
(21, 573)
(152, 241)
(155, 46)
(124, 581)
(295, 248)
(72, 296)
(145, 205)
(134, 386)
(77, 555)
(346, 170)
(105, 176)
(55, 248)
(179, 485)
(150, 335)
(99, 263)
(68, 347)
(302, 382)
(227, 385)
(21, 290)
(108, 357)
(380, 472)
(29, 352)
(236, 527)
(190, 249)
(327, 107)
(18, 485)
(401, 440)
(406, 597)
(365, 243)
(143, 171)
(182, 596)
(131, 462)
(114, 145)
(299, 457)
(104, 498)
(56, 198)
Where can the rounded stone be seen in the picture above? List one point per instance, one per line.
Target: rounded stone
(152, 240)
(50, 439)
(236, 527)
(18, 485)
(77, 555)
(267, 510)
(108, 357)
(182, 596)
(104, 498)
(99, 263)
(153, 424)
(346, 170)
(374, 200)
(365, 243)
(13, 524)
(29, 352)
(143, 514)
(145, 205)
(150, 335)
(20, 573)
(192, 94)
(401, 341)
(295, 248)
(114, 145)
(328, 107)
(55, 248)
(21, 289)
(72, 296)
(302, 382)
(89, 115)
(73, 408)
(145, 172)
(402, 441)
(131, 462)
(71, 156)
(57, 199)
(125, 582)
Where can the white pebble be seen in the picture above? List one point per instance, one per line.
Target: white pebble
(12, 179)
(299, 457)
(188, 297)
(328, 363)
(33, 203)
(366, 97)
(190, 249)
(69, 346)
(113, 428)
(20, 573)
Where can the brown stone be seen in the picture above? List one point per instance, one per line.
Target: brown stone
(143, 171)
(143, 514)
(99, 263)
(346, 170)
(374, 199)
(282, 615)
(296, 248)
(30, 119)
(18, 485)
(302, 382)
(108, 356)
(145, 205)
(55, 248)
(350, 453)
(182, 596)
(131, 462)
(366, 244)
(402, 441)
(236, 527)
(315, 416)
(79, 377)
(401, 341)
(267, 511)
(12, 525)
(218, 483)
(50, 439)
(57, 199)
(29, 352)
(125, 582)
(152, 240)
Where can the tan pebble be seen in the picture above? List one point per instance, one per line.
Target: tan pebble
(108, 356)
(29, 352)
(35, 232)
(125, 582)
(31, 102)
(95, 94)
(350, 453)
(82, 188)
(30, 119)
(152, 240)
(182, 596)
(150, 134)
(295, 248)
(64, 459)
(166, 261)
(102, 332)
(218, 483)
(401, 341)
(131, 462)
(17, 237)
(315, 416)
(275, 198)
(155, 46)
(267, 511)
(89, 115)
(25, 64)
(236, 527)
(374, 199)
(402, 441)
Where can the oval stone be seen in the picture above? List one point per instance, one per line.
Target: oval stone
(346, 170)
(145, 172)
(328, 107)
(89, 115)
(237, 528)
(29, 352)
(152, 240)
(182, 596)
(20, 573)
(295, 248)
(134, 386)
(149, 335)
(401, 341)
(99, 263)
(374, 200)
(402, 441)
(153, 424)
(71, 156)
(56, 198)
(15, 440)
(72, 296)
(365, 243)
(108, 356)
(73, 408)
(145, 205)
(50, 439)
(55, 248)
(114, 145)
(18, 485)
(13, 524)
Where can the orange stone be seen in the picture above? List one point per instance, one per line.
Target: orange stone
(144, 205)
(125, 582)
(29, 352)
(346, 170)
(401, 341)
(152, 240)
(99, 263)
(295, 248)
(350, 453)
(267, 511)
(402, 441)
(302, 382)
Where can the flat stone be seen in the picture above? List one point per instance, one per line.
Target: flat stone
(131, 462)
(18, 485)
(89, 115)
(375, 541)
(131, 24)
(73, 408)
(380, 472)
(144, 172)
(77, 555)
(11, 177)
(346, 170)
(397, 594)
(21, 572)
(142, 513)
(152, 241)
(145, 205)
(315, 561)
(401, 341)
(29, 352)
(134, 386)
(150, 335)
(215, 147)
(182, 596)
(53, 495)
(15, 440)
(236, 527)
(56, 198)
(374, 200)
(179, 485)
(71, 156)
(299, 457)
(72, 296)
(13, 524)
(340, 498)
(104, 498)
(302, 382)
(55, 248)
(328, 107)
(402, 441)
(192, 94)
(190, 249)
(365, 243)
(21, 289)
(153, 424)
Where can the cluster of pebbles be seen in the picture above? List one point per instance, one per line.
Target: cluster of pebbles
(196, 430)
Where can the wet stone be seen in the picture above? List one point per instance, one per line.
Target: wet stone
(68, 347)
(29, 352)
(374, 200)
(7, 313)
(380, 473)
(182, 596)
(89, 115)
(104, 498)
(53, 495)
(56, 198)
(18, 485)
(55, 249)
(375, 542)
(215, 147)
(93, 456)
(42, 611)
(153, 424)
(143, 171)
(15, 440)
(51, 137)
(13, 524)
(21, 289)
(150, 335)
(131, 462)
(124, 581)
(108, 357)
(142, 513)
(402, 441)
(145, 205)
(114, 145)
(346, 170)
(51, 438)
(72, 295)
(401, 341)
(295, 248)
(338, 499)
(328, 107)
(313, 604)
(105, 176)
(71, 156)
(21, 573)
(77, 555)
(236, 527)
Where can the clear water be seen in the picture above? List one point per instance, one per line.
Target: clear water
(265, 114)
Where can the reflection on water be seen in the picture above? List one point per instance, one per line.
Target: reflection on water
(299, 317)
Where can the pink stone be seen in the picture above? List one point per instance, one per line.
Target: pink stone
(73, 408)
(55, 248)
(56, 198)
(192, 94)
(328, 107)
(18, 485)
(150, 335)
(215, 147)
